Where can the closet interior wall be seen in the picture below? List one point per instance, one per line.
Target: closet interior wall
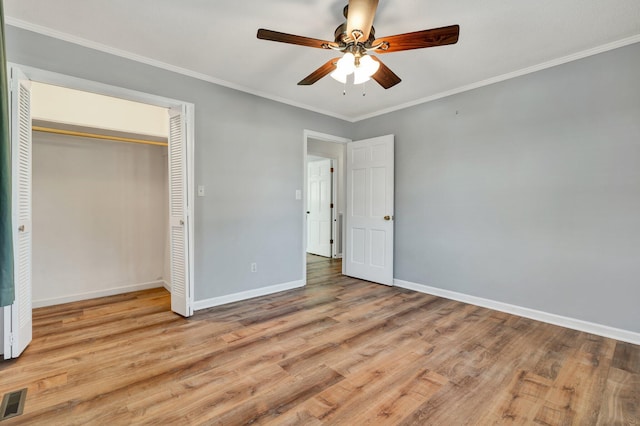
(100, 217)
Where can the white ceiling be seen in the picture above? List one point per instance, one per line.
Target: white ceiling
(216, 41)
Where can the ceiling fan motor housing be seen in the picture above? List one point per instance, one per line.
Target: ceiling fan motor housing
(345, 40)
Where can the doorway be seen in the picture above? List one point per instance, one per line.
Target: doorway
(99, 183)
(319, 147)
(321, 215)
(17, 317)
(366, 204)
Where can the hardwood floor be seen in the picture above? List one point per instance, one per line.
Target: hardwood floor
(339, 351)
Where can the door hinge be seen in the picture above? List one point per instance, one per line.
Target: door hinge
(331, 170)
(11, 342)
(330, 241)
(331, 205)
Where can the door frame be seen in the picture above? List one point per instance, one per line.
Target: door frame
(63, 80)
(311, 134)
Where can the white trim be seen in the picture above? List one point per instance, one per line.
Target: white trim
(244, 295)
(76, 83)
(191, 199)
(507, 76)
(6, 332)
(324, 137)
(163, 65)
(166, 285)
(159, 64)
(94, 294)
(562, 321)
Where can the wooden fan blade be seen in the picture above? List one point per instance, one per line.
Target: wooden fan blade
(420, 39)
(360, 16)
(294, 39)
(327, 68)
(384, 76)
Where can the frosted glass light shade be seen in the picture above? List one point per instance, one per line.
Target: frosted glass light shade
(346, 64)
(365, 70)
(369, 65)
(338, 76)
(360, 76)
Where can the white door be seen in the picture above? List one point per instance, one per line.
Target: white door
(17, 317)
(369, 221)
(181, 297)
(319, 207)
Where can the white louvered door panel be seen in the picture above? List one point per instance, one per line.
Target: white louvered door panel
(21, 319)
(178, 213)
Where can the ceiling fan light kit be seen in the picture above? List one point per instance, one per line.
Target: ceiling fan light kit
(356, 39)
(362, 68)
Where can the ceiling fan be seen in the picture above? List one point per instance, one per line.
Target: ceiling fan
(356, 40)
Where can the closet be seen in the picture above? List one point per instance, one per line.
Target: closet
(100, 196)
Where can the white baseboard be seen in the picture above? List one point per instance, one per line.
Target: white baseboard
(572, 323)
(94, 294)
(244, 295)
(166, 285)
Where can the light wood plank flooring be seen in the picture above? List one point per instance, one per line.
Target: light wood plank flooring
(339, 351)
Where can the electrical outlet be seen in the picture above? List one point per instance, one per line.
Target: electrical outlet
(254, 267)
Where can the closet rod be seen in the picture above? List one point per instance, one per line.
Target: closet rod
(95, 136)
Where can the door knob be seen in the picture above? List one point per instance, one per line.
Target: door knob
(182, 222)
(21, 228)
(388, 217)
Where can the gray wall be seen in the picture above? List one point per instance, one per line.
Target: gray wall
(249, 155)
(526, 191)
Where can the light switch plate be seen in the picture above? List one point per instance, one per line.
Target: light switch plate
(298, 194)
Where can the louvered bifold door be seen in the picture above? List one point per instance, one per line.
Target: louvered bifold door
(178, 213)
(21, 322)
